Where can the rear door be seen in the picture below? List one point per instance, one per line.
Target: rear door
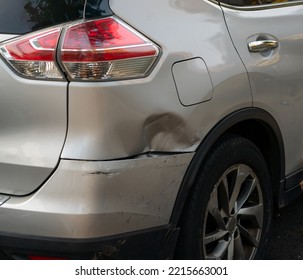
(269, 39)
(33, 113)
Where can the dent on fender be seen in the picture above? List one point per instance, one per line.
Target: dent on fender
(168, 132)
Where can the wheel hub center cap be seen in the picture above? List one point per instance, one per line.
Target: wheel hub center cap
(231, 225)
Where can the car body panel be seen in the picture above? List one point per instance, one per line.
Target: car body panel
(86, 160)
(33, 113)
(4, 37)
(93, 199)
(32, 130)
(275, 76)
(120, 119)
(190, 77)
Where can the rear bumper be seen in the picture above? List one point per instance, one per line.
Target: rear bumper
(86, 205)
(156, 243)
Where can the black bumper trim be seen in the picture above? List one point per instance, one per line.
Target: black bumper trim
(153, 243)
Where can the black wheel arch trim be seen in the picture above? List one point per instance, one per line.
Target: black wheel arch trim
(246, 114)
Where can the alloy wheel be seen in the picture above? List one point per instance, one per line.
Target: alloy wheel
(233, 221)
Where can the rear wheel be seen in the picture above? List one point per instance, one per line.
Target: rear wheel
(228, 213)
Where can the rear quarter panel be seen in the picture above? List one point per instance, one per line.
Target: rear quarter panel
(121, 119)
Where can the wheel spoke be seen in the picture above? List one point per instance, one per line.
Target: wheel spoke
(219, 251)
(254, 214)
(214, 236)
(231, 249)
(213, 209)
(239, 249)
(223, 194)
(242, 173)
(246, 192)
(249, 238)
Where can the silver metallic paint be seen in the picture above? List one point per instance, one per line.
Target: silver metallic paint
(32, 130)
(4, 37)
(190, 77)
(276, 75)
(113, 119)
(92, 199)
(94, 192)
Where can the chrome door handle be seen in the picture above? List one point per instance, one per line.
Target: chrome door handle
(262, 45)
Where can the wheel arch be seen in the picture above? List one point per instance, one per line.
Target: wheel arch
(254, 124)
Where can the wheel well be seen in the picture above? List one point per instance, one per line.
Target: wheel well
(253, 124)
(262, 135)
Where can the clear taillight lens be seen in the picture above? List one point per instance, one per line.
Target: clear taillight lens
(106, 49)
(97, 50)
(34, 55)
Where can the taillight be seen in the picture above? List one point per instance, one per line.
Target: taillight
(96, 50)
(34, 55)
(106, 49)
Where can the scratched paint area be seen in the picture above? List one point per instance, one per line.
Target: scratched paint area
(90, 199)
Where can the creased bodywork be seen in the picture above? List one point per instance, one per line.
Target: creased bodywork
(164, 131)
(93, 199)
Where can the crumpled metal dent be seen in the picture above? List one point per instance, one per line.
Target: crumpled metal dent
(168, 132)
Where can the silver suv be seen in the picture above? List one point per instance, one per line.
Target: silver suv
(147, 129)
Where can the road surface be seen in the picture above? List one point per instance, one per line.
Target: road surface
(286, 242)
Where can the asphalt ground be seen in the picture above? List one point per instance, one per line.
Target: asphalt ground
(286, 240)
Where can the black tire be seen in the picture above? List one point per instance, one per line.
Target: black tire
(229, 209)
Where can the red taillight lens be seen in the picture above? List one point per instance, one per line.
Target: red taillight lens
(41, 48)
(96, 50)
(34, 55)
(106, 49)
(103, 40)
